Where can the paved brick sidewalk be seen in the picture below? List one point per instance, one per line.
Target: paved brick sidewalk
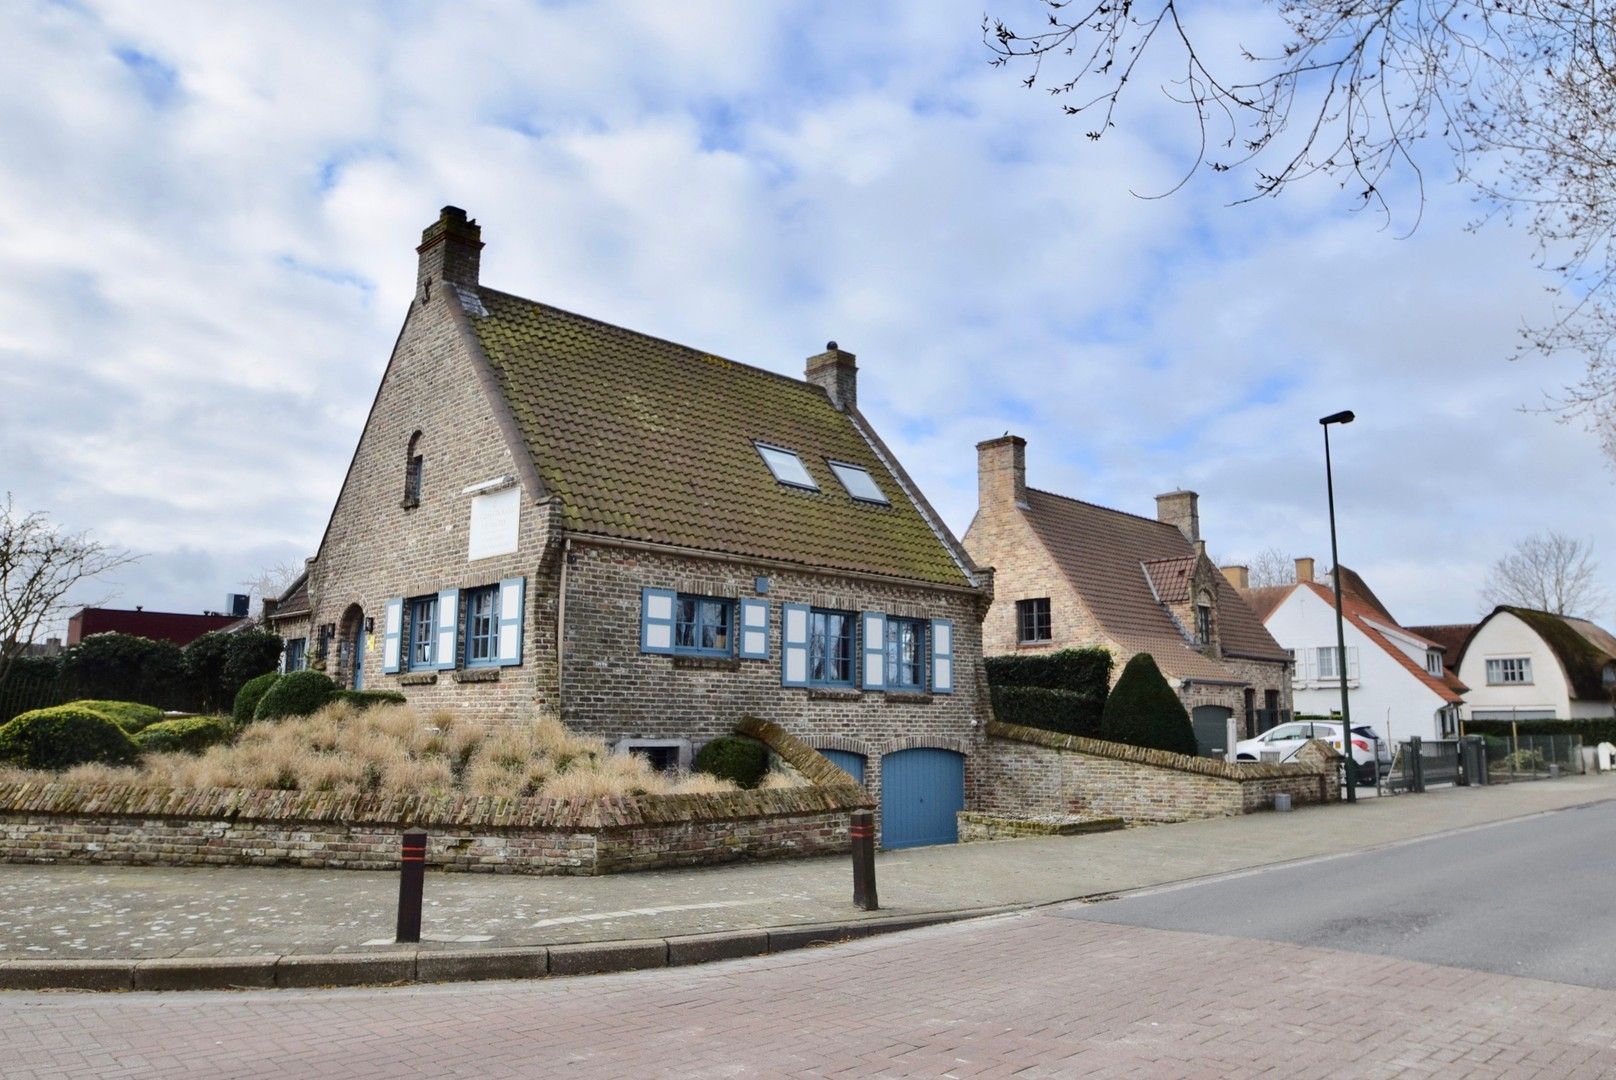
(1028, 995)
(99, 912)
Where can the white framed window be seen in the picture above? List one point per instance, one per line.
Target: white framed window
(1509, 671)
(786, 466)
(1329, 667)
(1433, 662)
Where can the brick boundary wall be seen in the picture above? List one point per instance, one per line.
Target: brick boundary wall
(56, 823)
(1030, 773)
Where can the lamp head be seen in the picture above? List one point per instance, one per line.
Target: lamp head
(1345, 416)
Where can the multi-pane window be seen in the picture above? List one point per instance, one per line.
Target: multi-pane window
(830, 647)
(1203, 624)
(1433, 662)
(1512, 671)
(482, 626)
(702, 624)
(906, 654)
(1032, 620)
(420, 647)
(296, 654)
(1329, 666)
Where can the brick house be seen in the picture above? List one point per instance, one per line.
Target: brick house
(549, 513)
(1069, 574)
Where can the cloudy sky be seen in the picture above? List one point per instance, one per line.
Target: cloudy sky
(208, 216)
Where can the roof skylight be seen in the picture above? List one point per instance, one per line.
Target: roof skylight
(787, 467)
(859, 483)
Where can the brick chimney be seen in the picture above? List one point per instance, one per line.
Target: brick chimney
(834, 370)
(1181, 508)
(1001, 472)
(1239, 576)
(1304, 571)
(451, 249)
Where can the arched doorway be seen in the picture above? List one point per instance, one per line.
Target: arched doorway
(350, 670)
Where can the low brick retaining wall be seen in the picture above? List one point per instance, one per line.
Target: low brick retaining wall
(976, 827)
(51, 823)
(1030, 773)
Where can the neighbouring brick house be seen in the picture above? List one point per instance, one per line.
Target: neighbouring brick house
(1070, 574)
(546, 512)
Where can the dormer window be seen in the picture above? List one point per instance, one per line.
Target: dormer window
(414, 470)
(787, 467)
(1203, 621)
(859, 483)
(1433, 662)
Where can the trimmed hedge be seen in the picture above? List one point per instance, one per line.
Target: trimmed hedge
(64, 736)
(297, 693)
(1065, 711)
(364, 699)
(1143, 711)
(1593, 732)
(185, 735)
(251, 693)
(126, 667)
(219, 664)
(129, 715)
(1081, 671)
(731, 757)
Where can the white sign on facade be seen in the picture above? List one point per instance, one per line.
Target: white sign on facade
(494, 521)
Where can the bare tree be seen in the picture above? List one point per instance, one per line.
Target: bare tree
(270, 582)
(1547, 572)
(1271, 566)
(40, 564)
(1519, 94)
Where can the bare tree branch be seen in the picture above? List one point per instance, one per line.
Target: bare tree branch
(1547, 572)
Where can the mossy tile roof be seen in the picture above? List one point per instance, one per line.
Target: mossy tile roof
(643, 439)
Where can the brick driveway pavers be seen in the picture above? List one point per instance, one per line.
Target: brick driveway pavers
(97, 912)
(1028, 995)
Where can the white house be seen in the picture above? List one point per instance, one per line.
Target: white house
(1396, 683)
(1522, 664)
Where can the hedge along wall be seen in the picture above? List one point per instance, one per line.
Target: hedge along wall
(55, 823)
(1027, 773)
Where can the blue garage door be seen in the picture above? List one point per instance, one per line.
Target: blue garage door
(921, 791)
(846, 759)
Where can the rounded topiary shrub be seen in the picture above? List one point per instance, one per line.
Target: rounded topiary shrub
(185, 735)
(251, 693)
(297, 693)
(129, 715)
(730, 757)
(64, 736)
(1143, 711)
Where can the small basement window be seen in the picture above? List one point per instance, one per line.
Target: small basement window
(787, 467)
(859, 483)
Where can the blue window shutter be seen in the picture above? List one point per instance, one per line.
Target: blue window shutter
(793, 644)
(444, 651)
(754, 634)
(875, 650)
(393, 636)
(656, 620)
(942, 656)
(512, 606)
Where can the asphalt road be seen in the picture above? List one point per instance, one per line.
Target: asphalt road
(1534, 897)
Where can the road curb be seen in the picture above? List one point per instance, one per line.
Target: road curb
(414, 965)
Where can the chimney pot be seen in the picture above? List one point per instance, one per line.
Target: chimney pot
(1181, 508)
(1304, 571)
(450, 250)
(1001, 471)
(836, 372)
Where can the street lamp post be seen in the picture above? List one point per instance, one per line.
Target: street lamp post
(1351, 766)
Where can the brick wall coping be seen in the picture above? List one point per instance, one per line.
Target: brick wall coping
(1223, 770)
(830, 789)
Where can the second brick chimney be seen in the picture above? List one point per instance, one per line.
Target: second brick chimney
(1181, 508)
(835, 371)
(1239, 576)
(1001, 472)
(1304, 571)
(451, 250)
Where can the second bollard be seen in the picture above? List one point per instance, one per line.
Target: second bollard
(862, 833)
(412, 874)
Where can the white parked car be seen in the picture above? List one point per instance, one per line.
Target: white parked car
(1371, 754)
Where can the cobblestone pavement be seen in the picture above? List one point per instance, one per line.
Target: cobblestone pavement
(96, 912)
(1028, 995)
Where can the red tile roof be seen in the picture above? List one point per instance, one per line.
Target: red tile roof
(1366, 616)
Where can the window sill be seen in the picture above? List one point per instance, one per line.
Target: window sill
(418, 678)
(834, 693)
(477, 674)
(1050, 643)
(706, 663)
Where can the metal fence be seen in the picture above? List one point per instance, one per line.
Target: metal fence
(1418, 764)
(19, 695)
(1532, 757)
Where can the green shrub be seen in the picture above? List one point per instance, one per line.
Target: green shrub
(251, 693)
(219, 664)
(364, 699)
(1143, 710)
(297, 693)
(129, 715)
(1081, 671)
(1065, 711)
(64, 736)
(125, 667)
(1593, 732)
(185, 734)
(731, 757)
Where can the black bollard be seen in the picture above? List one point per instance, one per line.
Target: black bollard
(862, 833)
(412, 873)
